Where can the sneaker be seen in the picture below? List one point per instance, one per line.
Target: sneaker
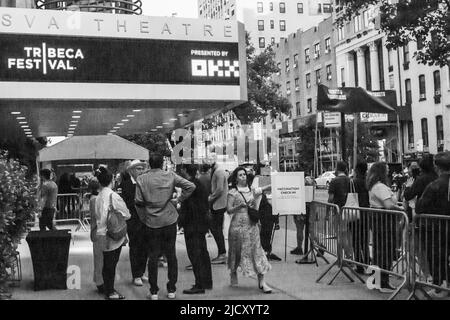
(273, 257)
(144, 278)
(152, 296)
(194, 290)
(189, 267)
(434, 294)
(387, 288)
(220, 259)
(297, 251)
(171, 295)
(138, 282)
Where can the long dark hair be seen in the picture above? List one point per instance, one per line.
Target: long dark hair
(377, 173)
(233, 177)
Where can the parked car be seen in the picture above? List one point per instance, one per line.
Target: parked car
(325, 179)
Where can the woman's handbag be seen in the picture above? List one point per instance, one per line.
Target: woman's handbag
(116, 226)
(352, 202)
(253, 214)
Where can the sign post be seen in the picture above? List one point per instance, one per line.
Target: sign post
(288, 197)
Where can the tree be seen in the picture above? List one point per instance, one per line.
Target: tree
(264, 97)
(367, 143)
(426, 22)
(153, 142)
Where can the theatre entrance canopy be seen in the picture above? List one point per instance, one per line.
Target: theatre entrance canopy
(64, 73)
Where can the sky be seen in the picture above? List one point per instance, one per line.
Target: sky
(183, 8)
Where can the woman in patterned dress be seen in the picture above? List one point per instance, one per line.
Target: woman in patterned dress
(244, 244)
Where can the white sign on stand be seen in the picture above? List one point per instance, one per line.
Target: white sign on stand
(288, 193)
(332, 119)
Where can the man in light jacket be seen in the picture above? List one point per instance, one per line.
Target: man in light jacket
(218, 204)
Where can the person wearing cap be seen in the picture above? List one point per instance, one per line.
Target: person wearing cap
(435, 200)
(135, 228)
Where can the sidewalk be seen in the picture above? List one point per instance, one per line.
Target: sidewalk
(288, 279)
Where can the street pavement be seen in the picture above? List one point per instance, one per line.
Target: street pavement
(289, 280)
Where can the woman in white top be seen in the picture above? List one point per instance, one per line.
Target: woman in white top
(384, 226)
(111, 248)
(244, 244)
(98, 250)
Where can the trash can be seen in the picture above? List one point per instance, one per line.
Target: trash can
(49, 255)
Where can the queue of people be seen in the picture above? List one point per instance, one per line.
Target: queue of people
(426, 191)
(153, 213)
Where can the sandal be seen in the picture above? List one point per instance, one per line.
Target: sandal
(115, 296)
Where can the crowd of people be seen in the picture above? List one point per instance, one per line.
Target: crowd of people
(425, 190)
(155, 203)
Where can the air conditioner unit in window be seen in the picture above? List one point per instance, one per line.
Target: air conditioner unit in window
(297, 88)
(329, 76)
(440, 142)
(295, 65)
(411, 145)
(327, 51)
(316, 55)
(307, 59)
(422, 96)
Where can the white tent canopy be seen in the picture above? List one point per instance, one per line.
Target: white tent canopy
(93, 147)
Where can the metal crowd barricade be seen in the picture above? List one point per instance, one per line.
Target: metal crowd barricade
(324, 233)
(68, 208)
(376, 238)
(430, 254)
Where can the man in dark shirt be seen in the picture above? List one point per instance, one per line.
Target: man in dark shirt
(435, 200)
(339, 186)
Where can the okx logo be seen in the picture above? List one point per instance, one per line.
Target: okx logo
(46, 58)
(73, 278)
(374, 280)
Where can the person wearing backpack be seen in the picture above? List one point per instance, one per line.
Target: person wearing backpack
(109, 207)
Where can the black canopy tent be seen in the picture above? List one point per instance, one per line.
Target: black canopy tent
(349, 100)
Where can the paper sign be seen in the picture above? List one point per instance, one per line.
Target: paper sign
(332, 119)
(288, 193)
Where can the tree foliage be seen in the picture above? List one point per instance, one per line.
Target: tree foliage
(367, 143)
(423, 21)
(153, 142)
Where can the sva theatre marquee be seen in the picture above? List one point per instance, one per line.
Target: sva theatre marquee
(73, 55)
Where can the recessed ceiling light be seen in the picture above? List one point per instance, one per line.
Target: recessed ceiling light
(109, 134)
(125, 120)
(15, 112)
(116, 127)
(20, 118)
(130, 115)
(76, 117)
(137, 110)
(23, 122)
(24, 126)
(27, 129)
(153, 130)
(165, 123)
(173, 119)
(112, 130)
(192, 109)
(77, 111)
(180, 114)
(159, 127)
(120, 124)
(72, 125)
(74, 121)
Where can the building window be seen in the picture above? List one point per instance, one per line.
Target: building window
(390, 59)
(286, 61)
(295, 60)
(282, 25)
(327, 8)
(271, 6)
(440, 133)
(391, 81)
(408, 91)
(329, 74)
(260, 7)
(318, 80)
(341, 33)
(343, 77)
(309, 105)
(410, 134)
(422, 90)
(282, 7)
(406, 57)
(272, 40)
(307, 55)
(437, 86)
(279, 67)
(260, 25)
(424, 123)
(308, 80)
(288, 87)
(366, 18)
(297, 84)
(299, 7)
(262, 42)
(319, 8)
(357, 23)
(317, 51)
(272, 24)
(327, 45)
(420, 44)
(298, 109)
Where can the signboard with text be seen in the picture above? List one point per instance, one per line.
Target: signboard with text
(374, 117)
(332, 119)
(288, 193)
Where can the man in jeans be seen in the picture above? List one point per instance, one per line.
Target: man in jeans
(218, 203)
(49, 192)
(157, 210)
